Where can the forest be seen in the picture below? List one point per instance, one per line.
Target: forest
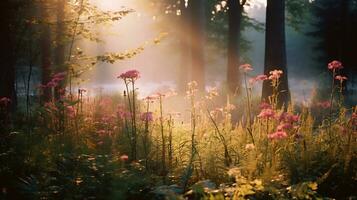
(178, 99)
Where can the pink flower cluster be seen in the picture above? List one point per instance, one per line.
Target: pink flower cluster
(122, 113)
(275, 74)
(258, 78)
(286, 121)
(335, 65)
(341, 78)
(124, 157)
(131, 75)
(246, 67)
(266, 113)
(147, 116)
(278, 135)
(5, 101)
(287, 117)
(56, 79)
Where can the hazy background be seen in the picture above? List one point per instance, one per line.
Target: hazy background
(159, 63)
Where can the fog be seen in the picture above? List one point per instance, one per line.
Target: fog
(159, 63)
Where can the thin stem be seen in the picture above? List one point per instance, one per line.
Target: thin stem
(249, 109)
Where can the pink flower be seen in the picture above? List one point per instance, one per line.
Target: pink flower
(354, 115)
(124, 157)
(289, 118)
(266, 113)
(151, 98)
(278, 135)
(341, 78)
(60, 75)
(334, 65)
(5, 101)
(246, 67)
(284, 126)
(121, 112)
(131, 74)
(275, 74)
(147, 116)
(258, 78)
(354, 119)
(52, 84)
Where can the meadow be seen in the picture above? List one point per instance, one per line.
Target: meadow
(121, 146)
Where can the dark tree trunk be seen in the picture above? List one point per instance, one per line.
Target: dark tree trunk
(234, 21)
(197, 42)
(184, 24)
(45, 41)
(60, 45)
(275, 50)
(7, 54)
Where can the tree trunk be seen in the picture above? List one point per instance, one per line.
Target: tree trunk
(60, 46)
(7, 58)
(234, 32)
(197, 42)
(275, 50)
(184, 24)
(45, 41)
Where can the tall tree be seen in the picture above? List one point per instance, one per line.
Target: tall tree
(275, 50)
(45, 42)
(184, 24)
(336, 36)
(235, 14)
(60, 44)
(197, 34)
(7, 50)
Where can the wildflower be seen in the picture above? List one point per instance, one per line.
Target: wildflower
(131, 74)
(121, 112)
(278, 135)
(60, 75)
(52, 84)
(266, 113)
(261, 77)
(192, 88)
(334, 65)
(212, 92)
(354, 116)
(147, 116)
(249, 146)
(288, 118)
(124, 157)
(5, 101)
(229, 107)
(341, 78)
(354, 119)
(284, 126)
(246, 67)
(275, 74)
